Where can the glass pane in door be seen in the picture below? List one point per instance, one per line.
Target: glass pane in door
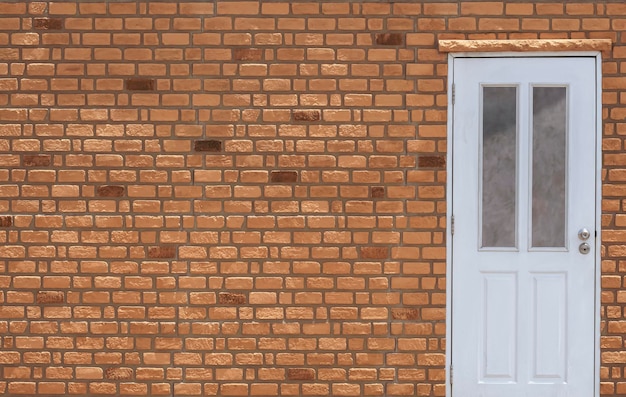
(499, 167)
(549, 157)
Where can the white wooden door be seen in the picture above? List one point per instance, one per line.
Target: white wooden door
(523, 294)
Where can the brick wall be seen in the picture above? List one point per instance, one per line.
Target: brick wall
(248, 198)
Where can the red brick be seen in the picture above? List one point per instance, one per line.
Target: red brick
(36, 160)
(137, 84)
(45, 297)
(374, 252)
(300, 374)
(389, 39)
(377, 192)
(208, 146)
(284, 176)
(404, 314)
(6, 221)
(164, 252)
(247, 54)
(306, 115)
(111, 191)
(48, 23)
(117, 373)
(231, 299)
(431, 161)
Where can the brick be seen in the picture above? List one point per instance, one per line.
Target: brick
(46, 297)
(441, 9)
(36, 160)
(208, 146)
(377, 192)
(117, 373)
(389, 39)
(300, 374)
(431, 161)
(163, 252)
(238, 7)
(306, 115)
(284, 176)
(111, 191)
(6, 221)
(247, 54)
(192, 192)
(482, 8)
(404, 314)
(48, 23)
(374, 252)
(231, 299)
(137, 84)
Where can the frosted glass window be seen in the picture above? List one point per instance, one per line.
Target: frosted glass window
(499, 167)
(549, 166)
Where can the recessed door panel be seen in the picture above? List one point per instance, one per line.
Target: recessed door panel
(549, 331)
(523, 288)
(499, 318)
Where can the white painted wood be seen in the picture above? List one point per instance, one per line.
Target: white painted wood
(598, 241)
(524, 321)
(549, 350)
(498, 321)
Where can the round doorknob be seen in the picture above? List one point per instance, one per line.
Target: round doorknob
(583, 234)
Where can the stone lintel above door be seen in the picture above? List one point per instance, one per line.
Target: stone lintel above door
(526, 45)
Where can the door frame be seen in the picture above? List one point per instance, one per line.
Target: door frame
(450, 194)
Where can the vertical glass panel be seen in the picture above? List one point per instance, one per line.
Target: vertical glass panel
(549, 166)
(499, 140)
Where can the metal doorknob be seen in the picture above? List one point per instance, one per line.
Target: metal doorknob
(583, 234)
(584, 248)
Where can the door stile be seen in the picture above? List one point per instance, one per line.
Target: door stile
(598, 225)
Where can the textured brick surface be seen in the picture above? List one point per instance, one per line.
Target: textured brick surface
(208, 146)
(284, 176)
(162, 252)
(306, 115)
(301, 374)
(374, 252)
(48, 23)
(247, 54)
(431, 161)
(111, 191)
(140, 84)
(231, 299)
(404, 314)
(389, 39)
(240, 198)
(50, 297)
(36, 160)
(118, 373)
(378, 192)
(6, 221)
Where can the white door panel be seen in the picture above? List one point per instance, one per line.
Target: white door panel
(523, 295)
